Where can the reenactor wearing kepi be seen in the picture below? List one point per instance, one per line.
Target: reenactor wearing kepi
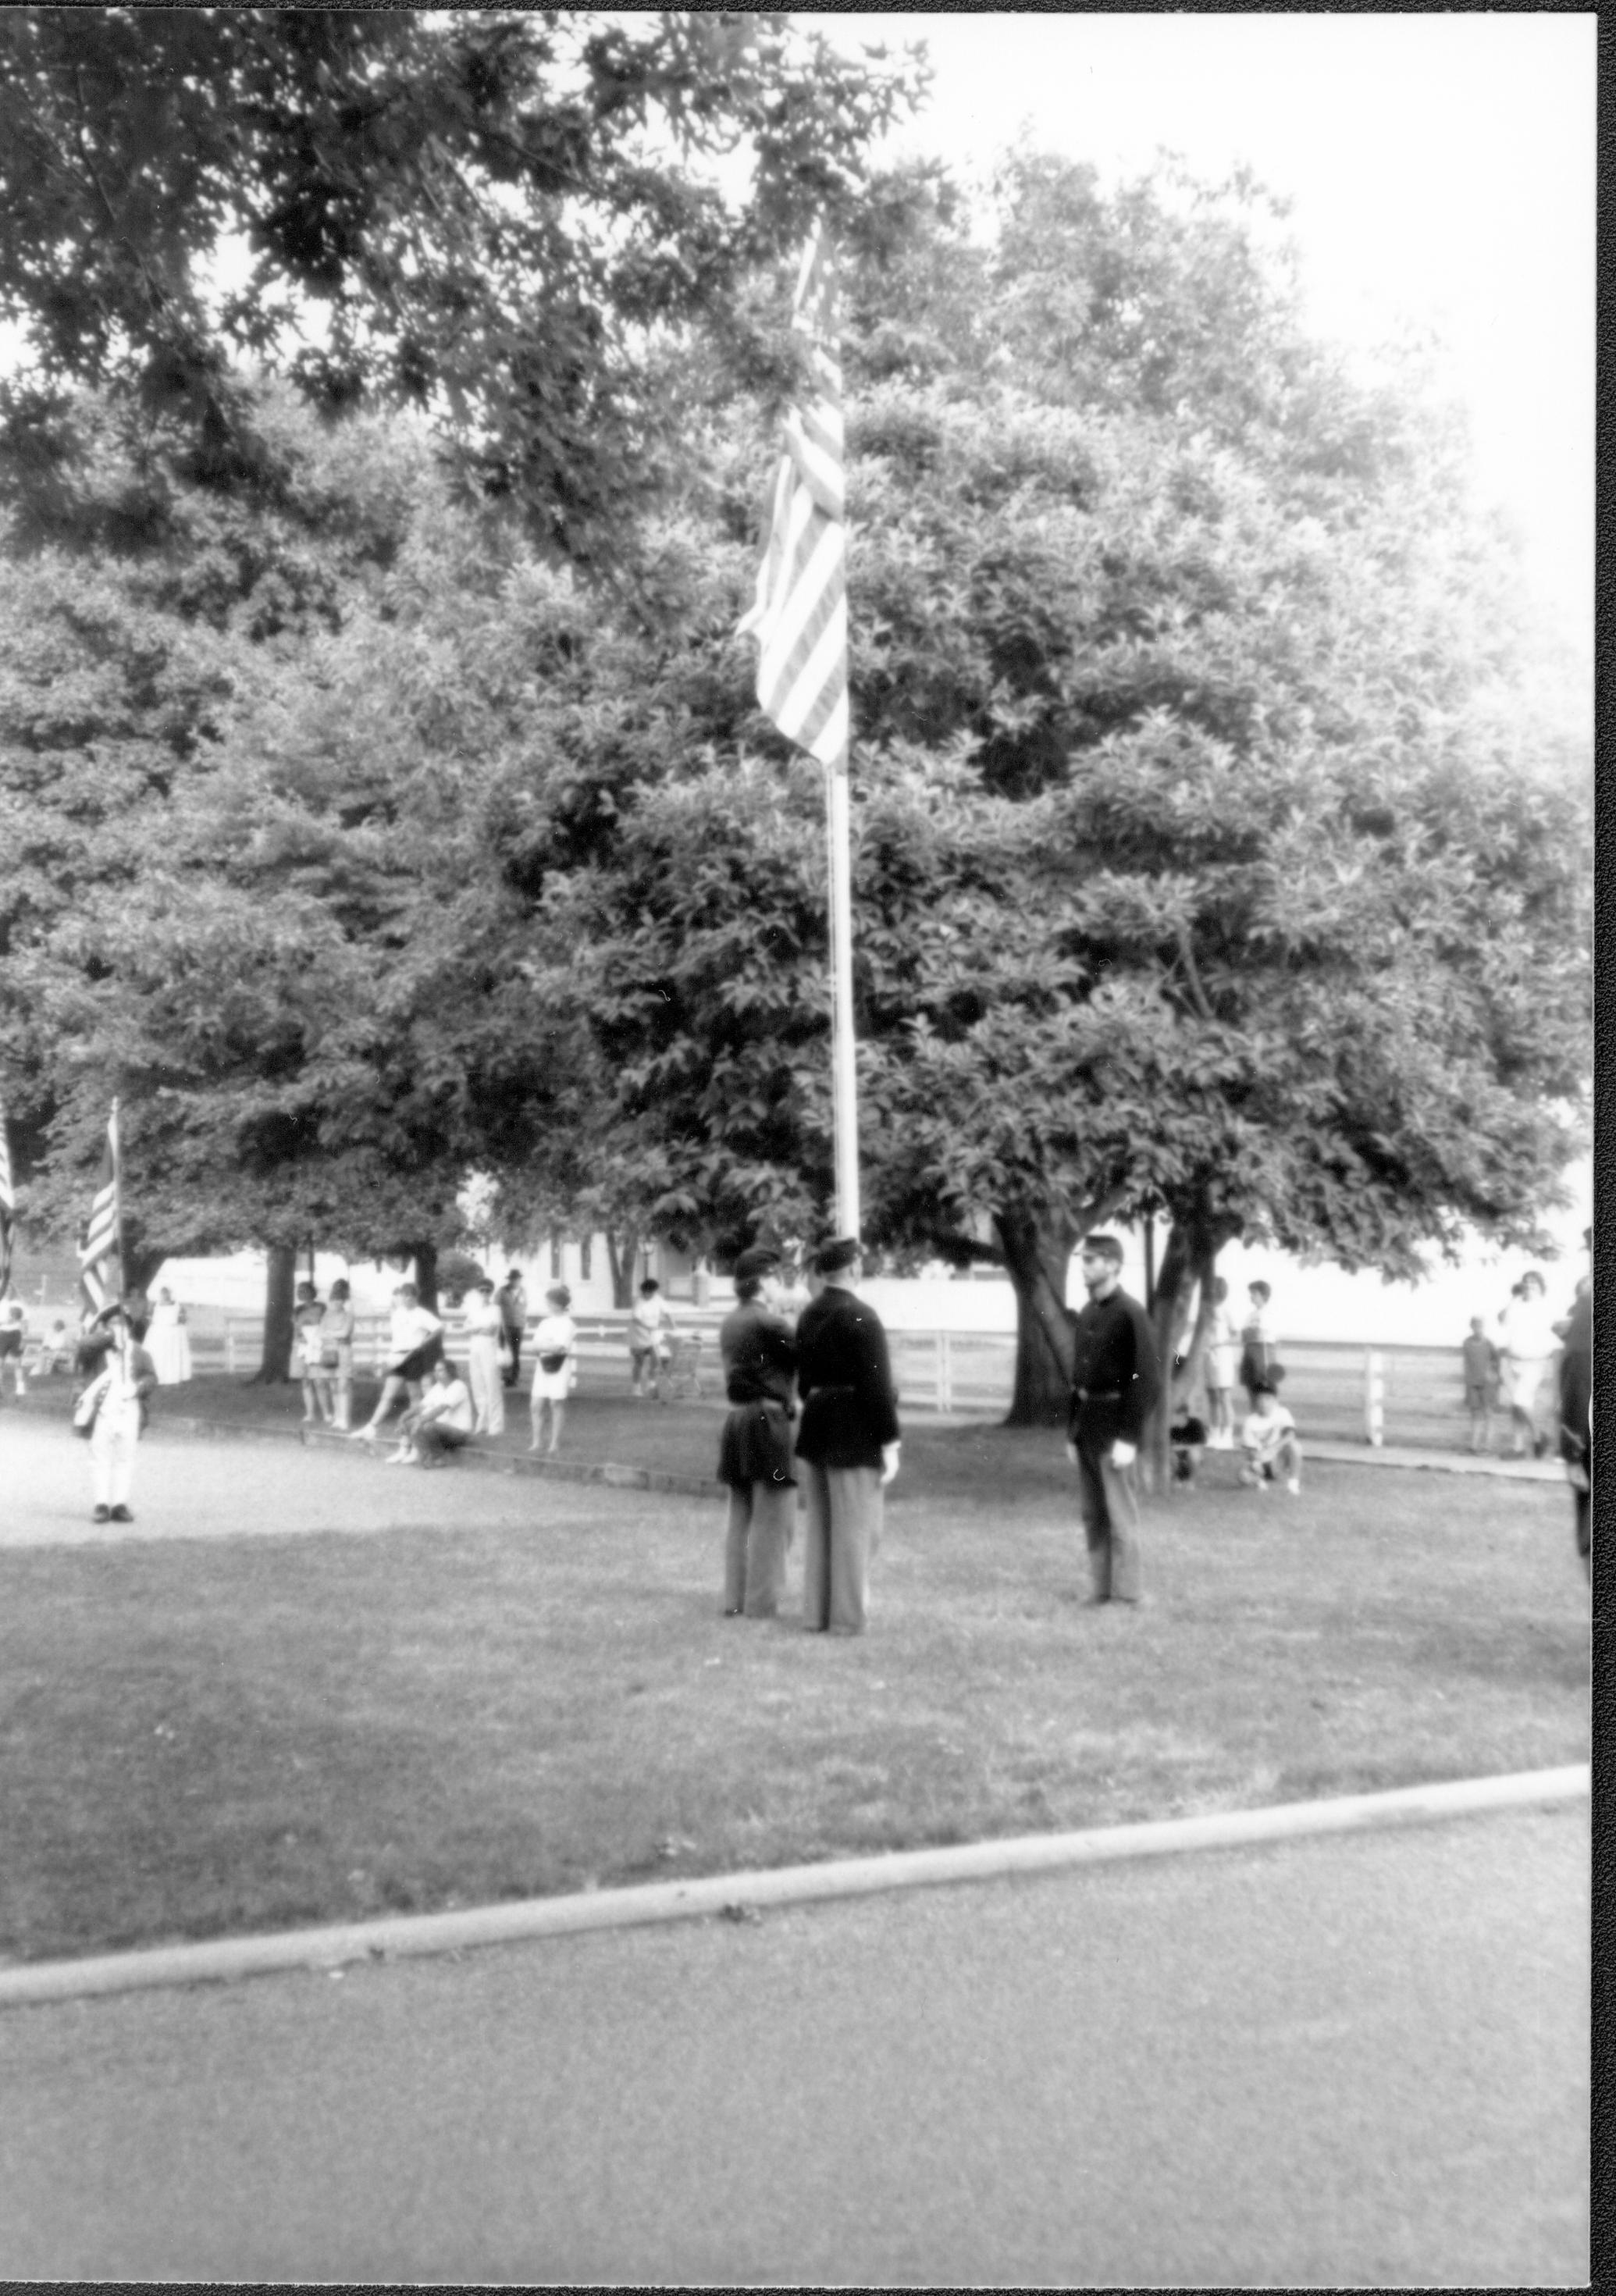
(848, 1443)
(1115, 1384)
(759, 1357)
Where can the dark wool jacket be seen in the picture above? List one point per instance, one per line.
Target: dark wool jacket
(758, 1353)
(1114, 1377)
(844, 1375)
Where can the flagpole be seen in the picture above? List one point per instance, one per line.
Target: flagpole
(799, 621)
(844, 1074)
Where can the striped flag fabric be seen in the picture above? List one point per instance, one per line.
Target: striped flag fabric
(8, 1205)
(800, 617)
(100, 1254)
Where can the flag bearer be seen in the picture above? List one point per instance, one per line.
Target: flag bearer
(126, 1377)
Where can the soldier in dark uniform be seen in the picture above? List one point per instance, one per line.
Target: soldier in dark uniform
(1114, 1386)
(847, 1445)
(759, 1359)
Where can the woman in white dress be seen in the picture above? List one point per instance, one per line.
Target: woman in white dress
(167, 1341)
(554, 1342)
(1530, 1343)
(484, 1326)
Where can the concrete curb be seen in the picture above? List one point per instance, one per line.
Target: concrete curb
(561, 1470)
(739, 1894)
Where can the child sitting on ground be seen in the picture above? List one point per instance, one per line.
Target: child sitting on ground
(1480, 1382)
(1186, 1433)
(1270, 1441)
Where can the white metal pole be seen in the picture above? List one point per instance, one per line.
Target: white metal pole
(843, 1068)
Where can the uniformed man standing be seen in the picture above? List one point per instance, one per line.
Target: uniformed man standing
(760, 1358)
(1114, 1386)
(848, 1444)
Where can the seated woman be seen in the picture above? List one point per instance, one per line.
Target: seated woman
(440, 1423)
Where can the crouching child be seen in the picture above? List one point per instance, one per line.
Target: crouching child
(1272, 1446)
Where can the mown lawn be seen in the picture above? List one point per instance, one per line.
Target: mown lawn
(212, 1735)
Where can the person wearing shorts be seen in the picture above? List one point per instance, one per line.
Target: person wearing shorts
(1222, 1363)
(650, 1328)
(414, 1344)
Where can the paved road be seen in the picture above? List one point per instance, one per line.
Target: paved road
(1357, 2061)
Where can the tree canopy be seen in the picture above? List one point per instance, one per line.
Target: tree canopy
(484, 213)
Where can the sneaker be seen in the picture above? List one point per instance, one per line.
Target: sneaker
(102, 1514)
(122, 1514)
(1293, 1486)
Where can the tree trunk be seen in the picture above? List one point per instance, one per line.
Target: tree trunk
(1170, 1308)
(623, 1255)
(1037, 1253)
(1188, 1265)
(280, 1283)
(425, 1256)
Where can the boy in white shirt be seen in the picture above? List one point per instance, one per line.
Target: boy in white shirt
(1271, 1444)
(650, 1328)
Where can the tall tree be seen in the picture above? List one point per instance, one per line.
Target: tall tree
(1206, 860)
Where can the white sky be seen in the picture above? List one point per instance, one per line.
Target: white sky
(1440, 168)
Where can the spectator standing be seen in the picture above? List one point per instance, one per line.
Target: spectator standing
(554, 1338)
(760, 1358)
(485, 1328)
(413, 1345)
(1222, 1367)
(1530, 1343)
(649, 1330)
(307, 1318)
(1481, 1359)
(14, 1332)
(1271, 1443)
(1115, 1385)
(847, 1445)
(167, 1341)
(441, 1424)
(115, 1402)
(337, 1354)
(1257, 1346)
(1575, 1385)
(513, 1312)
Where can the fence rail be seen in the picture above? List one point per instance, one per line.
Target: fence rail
(1338, 1392)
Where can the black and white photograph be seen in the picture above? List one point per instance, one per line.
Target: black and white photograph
(798, 1218)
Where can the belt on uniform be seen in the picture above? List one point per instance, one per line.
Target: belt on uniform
(1098, 1395)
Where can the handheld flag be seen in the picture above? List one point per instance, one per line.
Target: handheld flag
(100, 1254)
(800, 618)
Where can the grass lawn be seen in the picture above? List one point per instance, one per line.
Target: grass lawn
(204, 1737)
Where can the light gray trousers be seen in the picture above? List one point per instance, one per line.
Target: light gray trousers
(842, 1533)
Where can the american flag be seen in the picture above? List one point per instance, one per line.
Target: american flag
(8, 1205)
(800, 618)
(100, 1254)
